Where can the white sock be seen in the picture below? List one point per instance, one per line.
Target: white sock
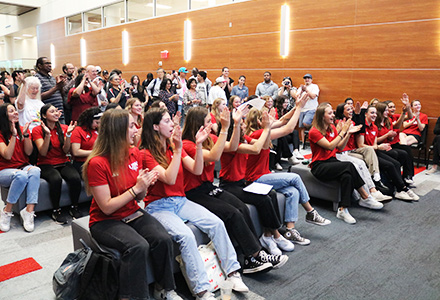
(376, 176)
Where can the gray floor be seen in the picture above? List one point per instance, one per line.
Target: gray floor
(389, 254)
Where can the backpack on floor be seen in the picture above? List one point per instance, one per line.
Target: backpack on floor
(86, 274)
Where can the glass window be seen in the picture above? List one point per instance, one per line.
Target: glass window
(114, 14)
(166, 7)
(92, 19)
(74, 24)
(195, 4)
(140, 9)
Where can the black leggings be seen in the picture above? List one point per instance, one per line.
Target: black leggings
(54, 175)
(343, 171)
(136, 241)
(266, 205)
(391, 168)
(403, 154)
(233, 212)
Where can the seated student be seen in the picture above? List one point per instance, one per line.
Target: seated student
(216, 109)
(290, 184)
(386, 134)
(361, 157)
(200, 189)
(234, 102)
(232, 174)
(324, 141)
(84, 136)
(436, 150)
(53, 143)
(412, 132)
(15, 170)
(387, 164)
(134, 107)
(161, 144)
(113, 175)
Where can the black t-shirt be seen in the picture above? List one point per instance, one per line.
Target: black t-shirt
(227, 92)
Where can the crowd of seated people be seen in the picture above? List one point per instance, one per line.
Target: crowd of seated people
(125, 141)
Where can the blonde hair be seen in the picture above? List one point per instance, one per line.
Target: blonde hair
(129, 105)
(214, 108)
(252, 121)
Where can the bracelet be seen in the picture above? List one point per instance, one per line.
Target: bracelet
(221, 132)
(68, 135)
(340, 136)
(132, 189)
(26, 135)
(133, 194)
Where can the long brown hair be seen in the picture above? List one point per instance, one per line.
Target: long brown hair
(318, 120)
(195, 119)
(111, 142)
(150, 138)
(214, 108)
(252, 120)
(129, 105)
(380, 108)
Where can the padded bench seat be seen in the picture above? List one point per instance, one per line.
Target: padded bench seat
(330, 190)
(44, 202)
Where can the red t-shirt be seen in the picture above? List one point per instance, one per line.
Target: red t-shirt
(99, 173)
(160, 189)
(192, 181)
(81, 103)
(85, 138)
(233, 166)
(257, 165)
(414, 129)
(351, 144)
(55, 155)
(385, 130)
(19, 157)
(319, 153)
(370, 134)
(213, 119)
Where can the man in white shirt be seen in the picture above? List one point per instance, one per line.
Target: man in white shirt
(153, 88)
(308, 111)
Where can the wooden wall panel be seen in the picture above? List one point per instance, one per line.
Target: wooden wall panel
(357, 48)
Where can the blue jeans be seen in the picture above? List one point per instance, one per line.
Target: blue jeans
(172, 212)
(18, 180)
(291, 185)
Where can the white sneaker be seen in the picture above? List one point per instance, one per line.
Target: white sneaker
(270, 245)
(28, 219)
(298, 155)
(409, 181)
(293, 160)
(378, 196)
(403, 196)
(5, 220)
(167, 295)
(238, 284)
(278, 167)
(413, 195)
(344, 215)
(207, 296)
(370, 203)
(284, 244)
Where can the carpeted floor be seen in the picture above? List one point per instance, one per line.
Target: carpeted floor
(389, 254)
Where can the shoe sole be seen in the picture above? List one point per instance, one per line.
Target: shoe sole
(317, 223)
(404, 199)
(282, 262)
(266, 267)
(370, 207)
(387, 198)
(341, 218)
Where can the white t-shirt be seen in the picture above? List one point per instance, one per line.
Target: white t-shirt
(312, 104)
(30, 112)
(216, 92)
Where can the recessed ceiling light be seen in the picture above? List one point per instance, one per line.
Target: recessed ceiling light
(27, 35)
(17, 38)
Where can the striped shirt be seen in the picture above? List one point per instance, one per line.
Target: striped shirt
(48, 82)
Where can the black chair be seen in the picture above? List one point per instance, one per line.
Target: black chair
(421, 147)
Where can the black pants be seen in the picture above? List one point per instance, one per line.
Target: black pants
(283, 149)
(78, 167)
(436, 150)
(54, 175)
(391, 168)
(266, 205)
(136, 241)
(403, 154)
(344, 172)
(234, 214)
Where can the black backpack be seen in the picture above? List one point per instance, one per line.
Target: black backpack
(86, 274)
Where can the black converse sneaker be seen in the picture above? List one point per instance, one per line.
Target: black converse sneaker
(315, 218)
(74, 212)
(251, 265)
(277, 261)
(293, 235)
(59, 217)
